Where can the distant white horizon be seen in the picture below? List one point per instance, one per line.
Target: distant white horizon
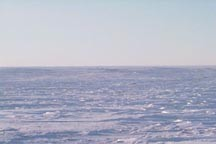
(107, 33)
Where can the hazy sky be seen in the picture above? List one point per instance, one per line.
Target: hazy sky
(107, 32)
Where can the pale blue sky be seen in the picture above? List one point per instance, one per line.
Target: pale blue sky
(107, 32)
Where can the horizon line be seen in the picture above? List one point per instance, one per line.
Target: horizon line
(53, 66)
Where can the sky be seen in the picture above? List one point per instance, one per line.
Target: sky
(107, 32)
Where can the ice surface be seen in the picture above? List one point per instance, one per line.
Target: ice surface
(131, 105)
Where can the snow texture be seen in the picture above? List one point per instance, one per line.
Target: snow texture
(108, 105)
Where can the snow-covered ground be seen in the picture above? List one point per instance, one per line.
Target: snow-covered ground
(108, 105)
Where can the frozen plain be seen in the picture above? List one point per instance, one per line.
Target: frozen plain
(108, 105)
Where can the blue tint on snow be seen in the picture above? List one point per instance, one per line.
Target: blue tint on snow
(107, 105)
